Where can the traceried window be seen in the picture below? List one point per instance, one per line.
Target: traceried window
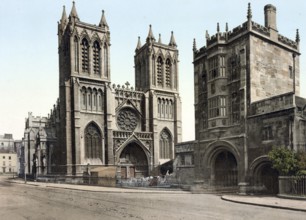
(222, 66)
(85, 55)
(165, 108)
(267, 133)
(168, 73)
(217, 107)
(213, 68)
(96, 58)
(93, 142)
(165, 145)
(159, 71)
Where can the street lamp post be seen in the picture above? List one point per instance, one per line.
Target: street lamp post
(25, 172)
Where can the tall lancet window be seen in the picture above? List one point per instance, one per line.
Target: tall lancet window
(165, 145)
(159, 71)
(76, 54)
(96, 58)
(85, 55)
(93, 142)
(168, 73)
(105, 60)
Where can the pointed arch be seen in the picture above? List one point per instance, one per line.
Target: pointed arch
(94, 99)
(76, 53)
(85, 55)
(93, 141)
(100, 100)
(159, 70)
(83, 98)
(105, 59)
(96, 57)
(165, 144)
(89, 98)
(168, 74)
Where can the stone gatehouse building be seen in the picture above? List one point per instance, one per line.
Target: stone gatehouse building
(247, 86)
(97, 123)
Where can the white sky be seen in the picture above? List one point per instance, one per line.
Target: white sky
(29, 58)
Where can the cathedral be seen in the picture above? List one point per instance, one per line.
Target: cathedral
(247, 87)
(99, 124)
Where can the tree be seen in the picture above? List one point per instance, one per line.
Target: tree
(301, 156)
(285, 161)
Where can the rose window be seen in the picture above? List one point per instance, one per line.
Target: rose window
(127, 120)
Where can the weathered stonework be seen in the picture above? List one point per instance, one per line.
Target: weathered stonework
(246, 85)
(99, 124)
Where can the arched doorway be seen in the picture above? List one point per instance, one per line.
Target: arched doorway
(266, 178)
(133, 162)
(225, 167)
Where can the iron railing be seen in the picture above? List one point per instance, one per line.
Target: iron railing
(292, 185)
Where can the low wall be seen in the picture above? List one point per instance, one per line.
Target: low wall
(292, 186)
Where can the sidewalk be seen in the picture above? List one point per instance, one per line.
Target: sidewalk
(99, 188)
(268, 201)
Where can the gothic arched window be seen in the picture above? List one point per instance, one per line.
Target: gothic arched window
(93, 142)
(96, 58)
(165, 145)
(83, 98)
(159, 107)
(85, 55)
(168, 73)
(76, 54)
(159, 71)
(100, 100)
(105, 60)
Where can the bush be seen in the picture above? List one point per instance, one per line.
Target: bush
(285, 161)
(301, 156)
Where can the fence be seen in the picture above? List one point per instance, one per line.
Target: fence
(292, 185)
(82, 180)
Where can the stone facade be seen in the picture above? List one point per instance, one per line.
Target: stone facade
(6, 143)
(98, 123)
(8, 163)
(38, 141)
(246, 84)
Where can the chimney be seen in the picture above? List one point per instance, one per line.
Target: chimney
(270, 17)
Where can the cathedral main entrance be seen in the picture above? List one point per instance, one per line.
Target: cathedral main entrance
(133, 162)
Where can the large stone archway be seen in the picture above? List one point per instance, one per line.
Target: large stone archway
(225, 170)
(133, 162)
(265, 178)
(221, 165)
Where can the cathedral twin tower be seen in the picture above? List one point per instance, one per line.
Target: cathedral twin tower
(101, 124)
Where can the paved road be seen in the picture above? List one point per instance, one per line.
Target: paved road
(19, 201)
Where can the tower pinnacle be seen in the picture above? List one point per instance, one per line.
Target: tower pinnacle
(159, 39)
(73, 13)
(103, 22)
(150, 34)
(172, 40)
(249, 15)
(194, 48)
(297, 38)
(64, 19)
(138, 44)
